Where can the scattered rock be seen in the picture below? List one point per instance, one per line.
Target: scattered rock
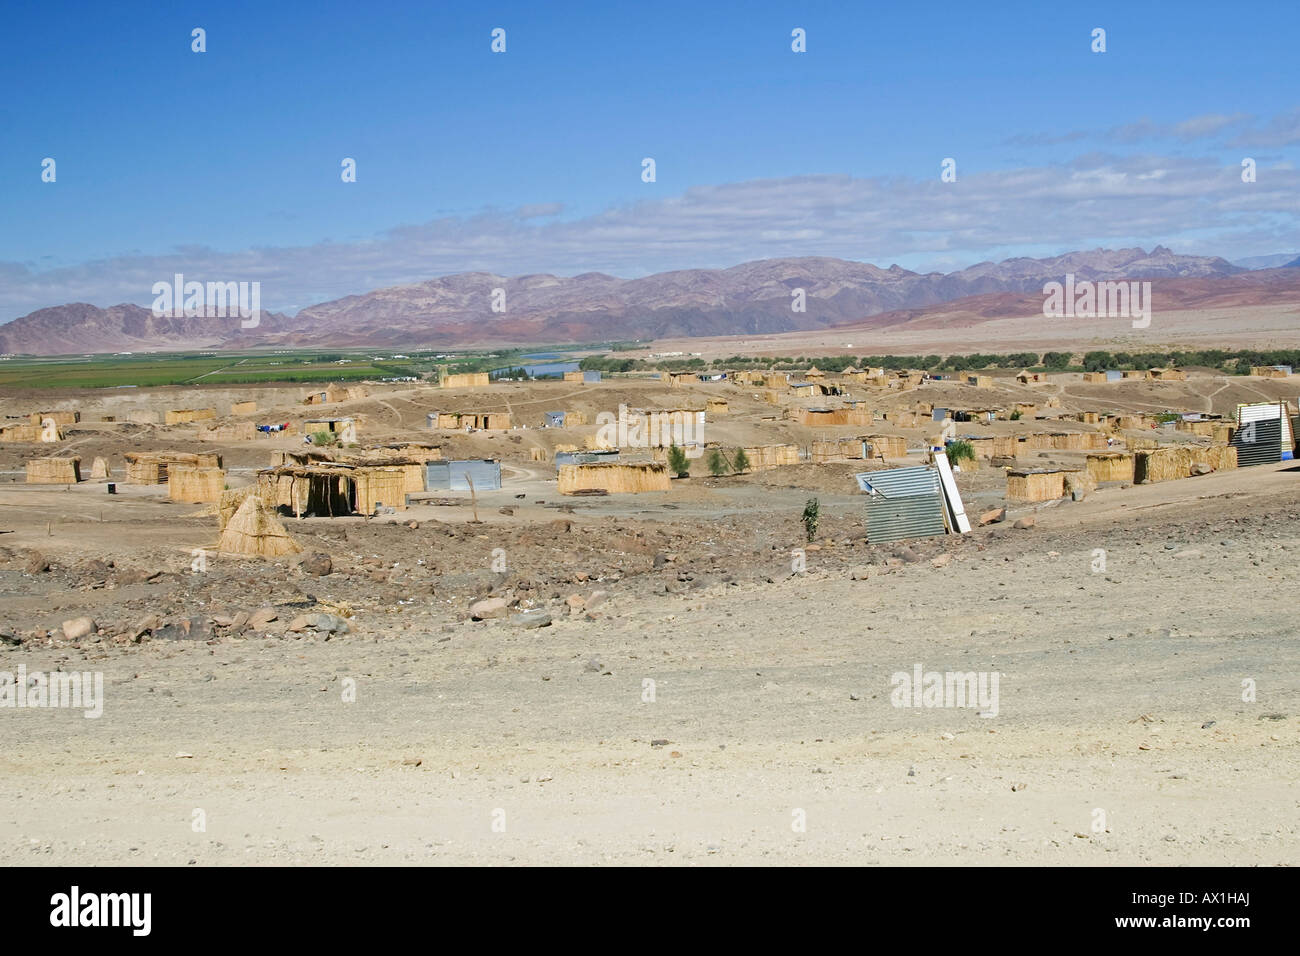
(993, 517)
(317, 563)
(329, 623)
(190, 629)
(37, 564)
(941, 560)
(1023, 523)
(79, 627)
(531, 619)
(489, 609)
(262, 617)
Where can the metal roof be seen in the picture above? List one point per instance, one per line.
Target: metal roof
(900, 482)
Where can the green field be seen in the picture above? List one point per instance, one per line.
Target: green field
(194, 369)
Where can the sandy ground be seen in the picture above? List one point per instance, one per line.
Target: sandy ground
(1121, 735)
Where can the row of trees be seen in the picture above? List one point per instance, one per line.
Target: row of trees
(1236, 361)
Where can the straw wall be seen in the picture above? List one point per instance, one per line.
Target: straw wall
(53, 471)
(1035, 486)
(235, 431)
(614, 477)
(465, 380)
(142, 416)
(20, 433)
(1174, 462)
(839, 416)
(384, 485)
(196, 485)
(100, 469)
(995, 446)
(887, 446)
(60, 418)
(839, 449)
(713, 406)
(181, 416)
(243, 408)
(766, 457)
(1110, 466)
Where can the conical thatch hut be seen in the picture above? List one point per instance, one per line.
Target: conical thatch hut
(255, 530)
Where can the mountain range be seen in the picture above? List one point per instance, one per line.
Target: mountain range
(751, 298)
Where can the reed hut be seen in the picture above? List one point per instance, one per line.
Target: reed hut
(232, 431)
(1025, 409)
(464, 380)
(21, 433)
(196, 485)
(1131, 422)
(152, 468)
(1078, 441)
(183, 416)
(99, 470)
(307, 489)
(834, 416)
(980, 381)
(1270, 371)
(60, 418)
(1168, 375)
(537, 454)
(53, 471)
(1095, 378)
(1110, 466)
(254, 530)
(1035, 485)
(995, 446)
(715, 406)
(840, 449)
(767, 457)
(614, 477)
(1142, 444)
(887, 446)
(1176, 461)
(1203, 429)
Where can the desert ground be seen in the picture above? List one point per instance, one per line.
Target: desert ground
(692, 693)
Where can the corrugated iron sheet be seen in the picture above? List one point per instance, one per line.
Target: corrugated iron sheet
(1266, 446)
(897, 519)
(456, 475)
(900, 482)
(583, 457)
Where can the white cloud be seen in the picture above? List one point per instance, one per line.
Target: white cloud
(1196, 205)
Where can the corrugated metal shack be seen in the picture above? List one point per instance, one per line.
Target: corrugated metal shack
(902, 503)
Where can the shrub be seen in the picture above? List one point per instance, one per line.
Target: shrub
(741, 462)
(717, 463)
(811, 512)
(960, 450)
(678, 463)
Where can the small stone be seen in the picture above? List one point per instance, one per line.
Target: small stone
(78, 627)
(1023, 524)
(489, 609)
(318, 564)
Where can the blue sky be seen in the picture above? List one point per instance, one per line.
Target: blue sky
(227, 163)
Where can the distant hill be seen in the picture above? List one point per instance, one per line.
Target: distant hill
(456, 311)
